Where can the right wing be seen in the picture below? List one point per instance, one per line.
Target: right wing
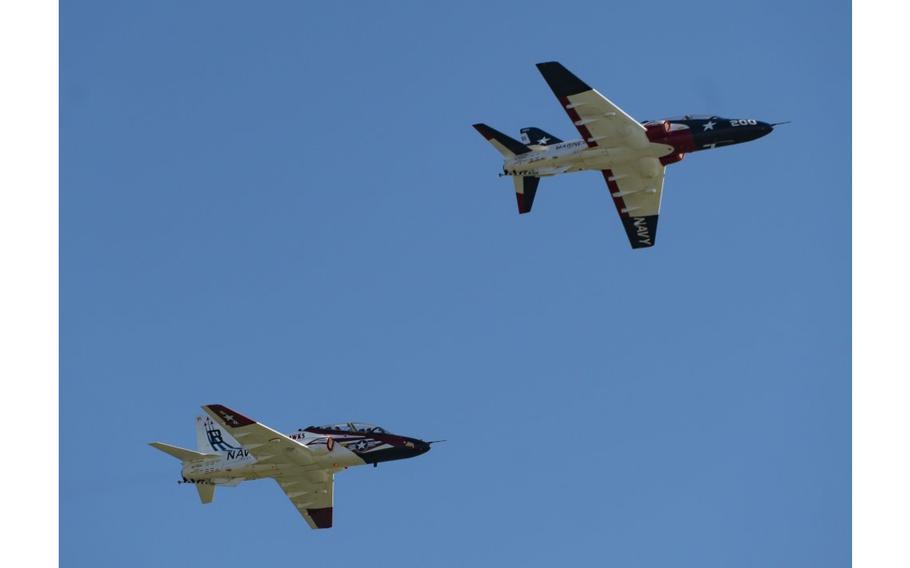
(265, 444)
(311, 493)
(637, 194)
(600, 122)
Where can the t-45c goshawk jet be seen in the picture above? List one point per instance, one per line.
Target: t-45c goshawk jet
(631, 155)
(232, 448)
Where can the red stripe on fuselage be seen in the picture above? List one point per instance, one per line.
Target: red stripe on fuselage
(682, 140)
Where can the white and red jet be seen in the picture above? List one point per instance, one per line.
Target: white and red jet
(631, 155)
(232, 448)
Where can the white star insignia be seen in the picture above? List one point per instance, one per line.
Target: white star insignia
(709, 125)
(543, 140)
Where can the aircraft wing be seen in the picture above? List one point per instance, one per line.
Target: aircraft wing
(600, 122)
(636, 189)
(311, 493)
(265, 444)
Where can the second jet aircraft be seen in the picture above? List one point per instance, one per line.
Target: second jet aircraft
(631, 155)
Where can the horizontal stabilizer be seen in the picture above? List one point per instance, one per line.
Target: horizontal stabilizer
(506, 145)
(181, 454)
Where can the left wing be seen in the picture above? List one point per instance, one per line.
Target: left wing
(636, 188)
(265, 444)
(599, 121)
(311, 493)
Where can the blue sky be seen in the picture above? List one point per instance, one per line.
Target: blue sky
(282, 207)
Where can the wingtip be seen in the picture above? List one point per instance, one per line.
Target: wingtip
(563, 82)
(322, 517)
(642, 231)
(230, 416)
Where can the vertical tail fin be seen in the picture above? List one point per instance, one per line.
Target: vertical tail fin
(210, 437)
(525, 190)
(506, 146)
(206, 492)
(534, 136)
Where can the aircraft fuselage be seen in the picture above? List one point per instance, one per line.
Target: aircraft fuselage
(668, 140)
(332, 450)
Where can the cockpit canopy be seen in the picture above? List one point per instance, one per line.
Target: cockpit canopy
(353, 427)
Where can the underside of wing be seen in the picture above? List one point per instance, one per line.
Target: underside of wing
(311, 493)
(636, 189)
(599, 121)
(262, 442)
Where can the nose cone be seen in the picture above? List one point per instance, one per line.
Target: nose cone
(421, 447)
(754, 130)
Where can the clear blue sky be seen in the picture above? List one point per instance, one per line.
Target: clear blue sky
(282, 207)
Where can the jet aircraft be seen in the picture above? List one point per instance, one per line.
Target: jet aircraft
(631, 155)
(232, 448)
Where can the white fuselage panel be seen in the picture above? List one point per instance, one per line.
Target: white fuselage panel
(240, 465)
(576, 156)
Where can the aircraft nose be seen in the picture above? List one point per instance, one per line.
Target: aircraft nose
(755, 130)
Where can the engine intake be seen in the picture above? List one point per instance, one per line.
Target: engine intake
(657, 130)
(672, 158)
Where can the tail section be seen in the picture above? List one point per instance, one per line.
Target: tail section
(534, 136)
(181, 454)
(506, 146)
(213, 445)
(211, 438)
(525, 190)
(206, 489)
